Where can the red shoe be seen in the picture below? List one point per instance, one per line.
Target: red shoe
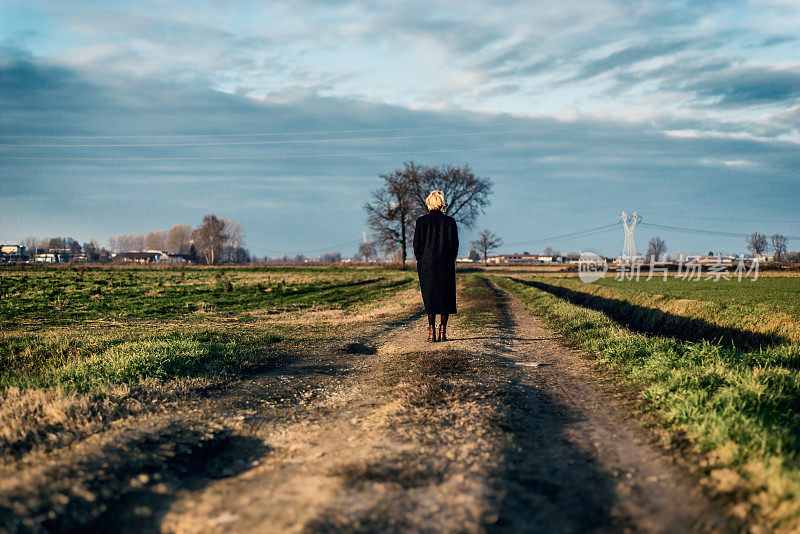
(431, 333)
(442, 332)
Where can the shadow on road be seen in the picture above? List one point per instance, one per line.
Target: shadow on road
(546, 483)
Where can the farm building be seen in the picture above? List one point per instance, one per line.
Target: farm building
(176, 258)
(148, 256)
(519, 258)
(59, 255)
(12, 252)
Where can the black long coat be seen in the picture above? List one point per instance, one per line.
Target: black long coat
(436, 248)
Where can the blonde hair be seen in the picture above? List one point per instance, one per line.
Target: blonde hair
(435, 201)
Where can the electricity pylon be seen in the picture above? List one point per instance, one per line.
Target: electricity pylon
(629, 222)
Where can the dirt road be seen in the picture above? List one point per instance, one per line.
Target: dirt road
(502, 428)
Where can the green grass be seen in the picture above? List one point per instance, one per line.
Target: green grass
(773, 293)
(740, 407)
(69, 296)
(129, 362)
(83, 362)
(81, 331)
(744, 314)
(477, 305)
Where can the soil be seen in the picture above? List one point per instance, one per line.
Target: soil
(503, 428)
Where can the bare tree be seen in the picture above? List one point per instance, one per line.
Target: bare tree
(367, 251)
(92, 250)
(331, 257)
(179, 239)
(235, 250)
(656, 248)
(151, 240)
(550, 251)
(390, 214)
(126, 242)
(466, 195)
(73, 246)
(156, 240)
(757, 243)
(210, 238)
(55, 243)
(485, 243)
(43, 244)
(30, 245)
(779, 246)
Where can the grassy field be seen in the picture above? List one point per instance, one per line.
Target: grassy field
(771, 293)
(79, 348)
(717, 368)
(738, 314)
(75, 296)
(718, 363)
(77, 329)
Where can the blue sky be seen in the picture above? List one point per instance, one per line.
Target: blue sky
(685, 111)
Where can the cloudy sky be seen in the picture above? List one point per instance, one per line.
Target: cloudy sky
(128, 117)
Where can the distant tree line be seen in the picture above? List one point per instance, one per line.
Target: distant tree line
(757, 244)
(92, 249)
(215, 240)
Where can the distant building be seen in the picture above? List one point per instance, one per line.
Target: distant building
(148, 256)
(176, 258)
(12, 249)
(46, 258)
(56, 255)
(526, 258)
(724, 259)
(570, 258)
(514, 258)
(12, 252)
(628, 260)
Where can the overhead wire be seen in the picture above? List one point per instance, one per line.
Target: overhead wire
(581, 233)
(728, 219)
(700, 231)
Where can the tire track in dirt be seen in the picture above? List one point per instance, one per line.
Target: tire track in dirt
(588, 462)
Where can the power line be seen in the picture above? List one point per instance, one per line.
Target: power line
(700, 231)
(331, 248)
(581, 233)
(726, 219)
(290, 141)
(312, 156)
(258, 134)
